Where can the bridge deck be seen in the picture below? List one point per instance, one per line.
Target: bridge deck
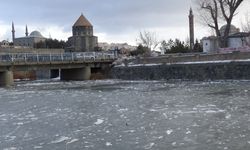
(65, 60)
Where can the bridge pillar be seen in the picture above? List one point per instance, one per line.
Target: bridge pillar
(6, 78)
(77, 74)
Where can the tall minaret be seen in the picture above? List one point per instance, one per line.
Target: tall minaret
(26, 31)
(191, 28)
(13, 32)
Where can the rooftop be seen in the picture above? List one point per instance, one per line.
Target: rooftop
(36, 34)
(83, 22)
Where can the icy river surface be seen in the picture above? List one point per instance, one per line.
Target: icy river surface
(125, 115)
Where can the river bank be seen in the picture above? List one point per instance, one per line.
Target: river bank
(205, 70)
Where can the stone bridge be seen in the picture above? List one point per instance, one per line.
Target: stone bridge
(72, 66)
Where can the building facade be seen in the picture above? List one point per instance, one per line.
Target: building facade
(83, 39)
(210, 44)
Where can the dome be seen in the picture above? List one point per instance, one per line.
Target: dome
(36, 34)
(233, 30)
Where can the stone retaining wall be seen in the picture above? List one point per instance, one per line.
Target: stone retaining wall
(205, 71)
(189, 57)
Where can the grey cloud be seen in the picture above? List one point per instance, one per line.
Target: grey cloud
(106, 15)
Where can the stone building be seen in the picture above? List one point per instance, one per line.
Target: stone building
(83, 39)
(29, 41)
(237, 41)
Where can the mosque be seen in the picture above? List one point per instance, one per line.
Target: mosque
(28, 40)
(82, 40)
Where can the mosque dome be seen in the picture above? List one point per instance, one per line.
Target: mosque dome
(233, 30)
(36, 34)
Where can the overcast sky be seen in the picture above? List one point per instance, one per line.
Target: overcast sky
(113, 20)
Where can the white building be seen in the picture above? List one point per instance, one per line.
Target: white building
(237, 41)
(240, 39)
(113, 46)
(210, 44)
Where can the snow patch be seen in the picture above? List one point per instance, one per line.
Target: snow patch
(186, 63)
(149, 146)
(10, 148)
(130, 131)
(174, 144)
(23, 92)
(108, 144)
(99, 121)
(169, 131)
(38, 147)
(73, 141)
(228, 116)
(123, 110)
(188, 132)
(61, 139)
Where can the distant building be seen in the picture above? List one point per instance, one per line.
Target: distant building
(83, 39)
(123, 48)
(28, 40)
(4, 43)
(237, 41)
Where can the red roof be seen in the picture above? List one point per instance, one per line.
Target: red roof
(82, 21)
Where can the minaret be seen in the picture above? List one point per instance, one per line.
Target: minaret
(191, 28)
(26, 31)
(13, 32)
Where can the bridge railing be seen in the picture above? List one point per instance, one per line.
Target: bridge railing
(75, 56)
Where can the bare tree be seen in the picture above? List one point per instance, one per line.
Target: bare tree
(228, 9)
(148, 39)
(246, 23)
(210, 14)
(214, 11)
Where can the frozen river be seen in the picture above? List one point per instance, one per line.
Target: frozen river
(125, 115)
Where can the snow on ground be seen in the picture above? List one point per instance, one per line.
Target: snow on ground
(185, 63)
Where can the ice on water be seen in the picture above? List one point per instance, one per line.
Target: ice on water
(99, 121)
(114, 114)
(61, 139)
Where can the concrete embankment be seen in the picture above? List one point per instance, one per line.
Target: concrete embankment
(191, 71)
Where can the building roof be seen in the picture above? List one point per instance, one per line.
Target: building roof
(240, 34)
(232, 30)
(82, 22)
(36, 34)
(210, 38)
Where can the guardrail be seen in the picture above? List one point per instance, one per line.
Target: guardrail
(75, 56)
